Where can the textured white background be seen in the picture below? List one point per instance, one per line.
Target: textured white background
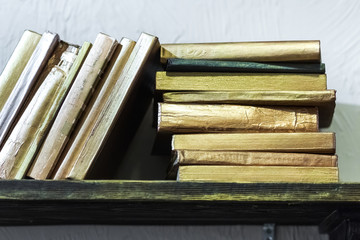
(335, 23)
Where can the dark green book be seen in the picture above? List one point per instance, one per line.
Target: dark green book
(200, 65)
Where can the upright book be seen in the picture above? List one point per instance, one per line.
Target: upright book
(277, 51)
(17, 63)
(77, 98)
(27, 79)
(112, 113)
(27, 135)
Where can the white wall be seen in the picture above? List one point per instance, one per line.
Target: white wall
(334, 22)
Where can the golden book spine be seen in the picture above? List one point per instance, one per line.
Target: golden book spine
(77, 98)
(201, 118)
(83, 131)
(213, 81)
(41, 165)
(253, 174)
(26, 81)
(17, 63)
(193, 157)
(143, 51)
(317, 142)
(275, 51)
(26, 137)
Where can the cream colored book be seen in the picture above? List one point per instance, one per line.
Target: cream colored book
(77, 98)
(254, 174)
(128, 83)
(71, 67)
(82, 132)
(17, 63)
(28, 78)
(26, 137)
(324, 100)
(317, 142)
(215, 81)
(202, 118)
(272, 51)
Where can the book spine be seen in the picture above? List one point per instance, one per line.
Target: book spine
(24, 140)
(27, 79)
(316, 142)
(77, 98)
(40, 166)
(202, 65)
(82, 133)
(17, 63)
(210, 81)
(252, 174)
(146, 47)
(201, 118)
(278, 51)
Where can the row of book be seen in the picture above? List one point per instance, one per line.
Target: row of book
(247, 112)
(61, 104)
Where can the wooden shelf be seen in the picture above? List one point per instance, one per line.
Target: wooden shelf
(168, 202)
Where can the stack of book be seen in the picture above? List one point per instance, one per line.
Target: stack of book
(64, 106)
(247, 112)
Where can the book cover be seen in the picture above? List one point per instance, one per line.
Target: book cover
(272, 51)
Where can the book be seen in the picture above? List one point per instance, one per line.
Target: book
(16, 64)
(71, 67)
(253, 174)
(201, 118)
(82, 131)
(203, 65)
(77, 98)
(324, 100)
(244, 158)
(317, 142)
(27, 135)
(275, 51)
(26, 81)
(213, 81)
(113, 112)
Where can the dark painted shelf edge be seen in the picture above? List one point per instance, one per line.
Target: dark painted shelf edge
(24, 202)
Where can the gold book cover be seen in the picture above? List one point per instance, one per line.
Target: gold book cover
(264, 174)
(316, 142)
(77, 98)
(214, 81)
(245, 158)
(271, 51)
(202, 118)
(17, 63)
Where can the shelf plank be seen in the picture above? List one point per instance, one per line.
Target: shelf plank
(170, 202)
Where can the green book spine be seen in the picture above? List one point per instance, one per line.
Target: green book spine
(200, 65)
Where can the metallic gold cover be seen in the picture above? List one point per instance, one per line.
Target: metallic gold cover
(201, 118)
(251, 174)
(212, 81)
(277, 51)
(317, 142)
